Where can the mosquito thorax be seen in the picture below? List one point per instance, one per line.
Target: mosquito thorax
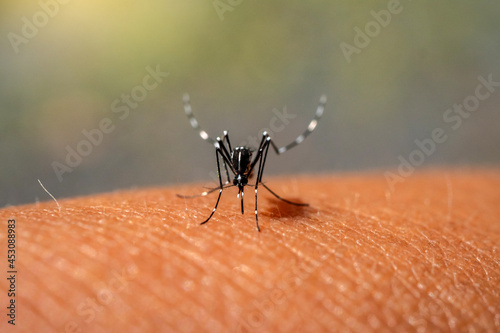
(241, 159)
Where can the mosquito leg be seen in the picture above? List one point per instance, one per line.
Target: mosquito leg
(210, 190)
(217, 152)
(267, 188)
(226, 139)
(192, 120)
(264, 147)
(283, 199)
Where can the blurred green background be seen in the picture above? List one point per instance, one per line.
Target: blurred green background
(64, 65)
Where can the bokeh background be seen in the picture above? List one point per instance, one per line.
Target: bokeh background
(239, 60)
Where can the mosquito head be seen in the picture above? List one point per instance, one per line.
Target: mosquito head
(240, 180)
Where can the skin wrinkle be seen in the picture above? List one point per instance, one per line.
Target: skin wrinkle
(363, 259)
(54, 291)
(420, 251)
(193, 257)
(38, 314)
(152, 289)
(433, 282)
(116, 240)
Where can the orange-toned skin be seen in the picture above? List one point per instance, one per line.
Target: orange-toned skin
(360, 258)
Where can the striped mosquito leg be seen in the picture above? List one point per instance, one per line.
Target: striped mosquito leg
(217, 152)
(226, 156)
(262, 161)
(197, 195)
(312, 125)
(227, 173)
(226, 139)
(256, 215)
(192, 120)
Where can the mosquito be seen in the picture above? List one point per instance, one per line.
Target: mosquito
(240, 162)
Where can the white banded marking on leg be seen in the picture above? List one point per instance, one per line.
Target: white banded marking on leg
(319, 111)
(322, 99)
(312, 125)
(255, 202)
(204, 135)
(194, 122)
(300, 138)
(187, 106)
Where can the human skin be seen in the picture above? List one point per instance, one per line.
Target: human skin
(423, 257)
